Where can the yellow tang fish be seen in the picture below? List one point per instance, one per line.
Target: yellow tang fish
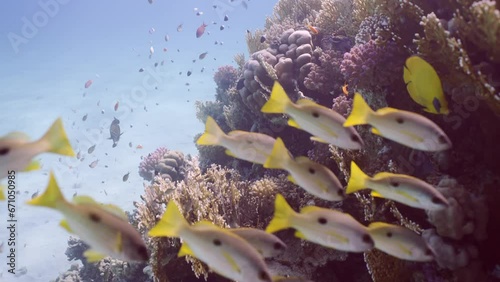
(315, 178)
(329, 228)
(224, 252)
(407, 128)
(424, 85)
(401, 188)
(324, 124)
(105, 228)
(248, 146)
(399, 242)
(16, 152)
(268, 245)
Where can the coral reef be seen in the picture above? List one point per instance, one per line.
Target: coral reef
(225, 77)
(325, 76)
(163, 162)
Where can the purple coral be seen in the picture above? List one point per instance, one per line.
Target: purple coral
(325, 77)
(225, 76)
(148, 164)
(342, 105)
(373, 66)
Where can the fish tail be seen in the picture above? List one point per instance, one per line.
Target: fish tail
(213, 134)
(282, 214)
(171, 223)
(58, 140)
(357, 180)
(51, 197)
(360, 113)
(279, 156)
(278, 101)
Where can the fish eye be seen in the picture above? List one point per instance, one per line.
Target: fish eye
(389, 234)
(367, 239)
(94, 217)
(277, 246)
(315, 114)
(354, 138)
(400, 120)
(217, 242)
(312, 171)
(4, 151)
(442, 139)
(264, 276)
(322, 220)
(394, 184)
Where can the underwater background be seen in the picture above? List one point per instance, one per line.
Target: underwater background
(143, 63)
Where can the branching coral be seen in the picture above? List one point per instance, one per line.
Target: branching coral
(373, 66)
(226, 76)
(325, 76)
(336, 17)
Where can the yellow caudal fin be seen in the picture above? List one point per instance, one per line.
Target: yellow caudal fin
(278, 101)
(282, 214)
(213, 134)
(357, 180)
(360, 112)
(58, 140)
(171, 223)
(279, 156)
(51, 197)
(2, 196)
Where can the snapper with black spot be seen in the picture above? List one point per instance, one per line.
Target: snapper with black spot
(105, 228)
(249, 146)
(399, 242)
(224, 252)
(326, 227)
(324, 124)
(17, 151)
(407, 128)
(268, 245)
(401, 188)
(315, 178)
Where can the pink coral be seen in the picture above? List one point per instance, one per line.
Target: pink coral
(325, 77)
(148, 164)
(373, 66)
(225, 76)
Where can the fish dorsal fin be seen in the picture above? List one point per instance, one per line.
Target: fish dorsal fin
(119, 243)
(309, 209)
(232, 261)
(376, 194)
(383, 175)
(185, 250)
(300, 235)
(18, 136)
(291, 179)
(318, 139)
(386, 110)
(82, 199)
(306, 102)
(293, 123)
(93, 256)
(229, 153)
(64, 224)
(378, 224)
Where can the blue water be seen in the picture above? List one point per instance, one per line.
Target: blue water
(49, 49)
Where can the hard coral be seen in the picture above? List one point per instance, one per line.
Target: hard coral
(163, 162)
(325, 76)
(373, 66)
(148, 164)
(225, 76)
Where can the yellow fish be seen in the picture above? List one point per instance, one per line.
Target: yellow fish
(16, 152)
(329, 228)
(424, 85)
(2, 196)
(268, 245)
(401, 188)
(324, 124)
(248, 146)
(315, 178)
(399, 242)
(104, 228)
(224, 252)
(290, 279)
(407, 128)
